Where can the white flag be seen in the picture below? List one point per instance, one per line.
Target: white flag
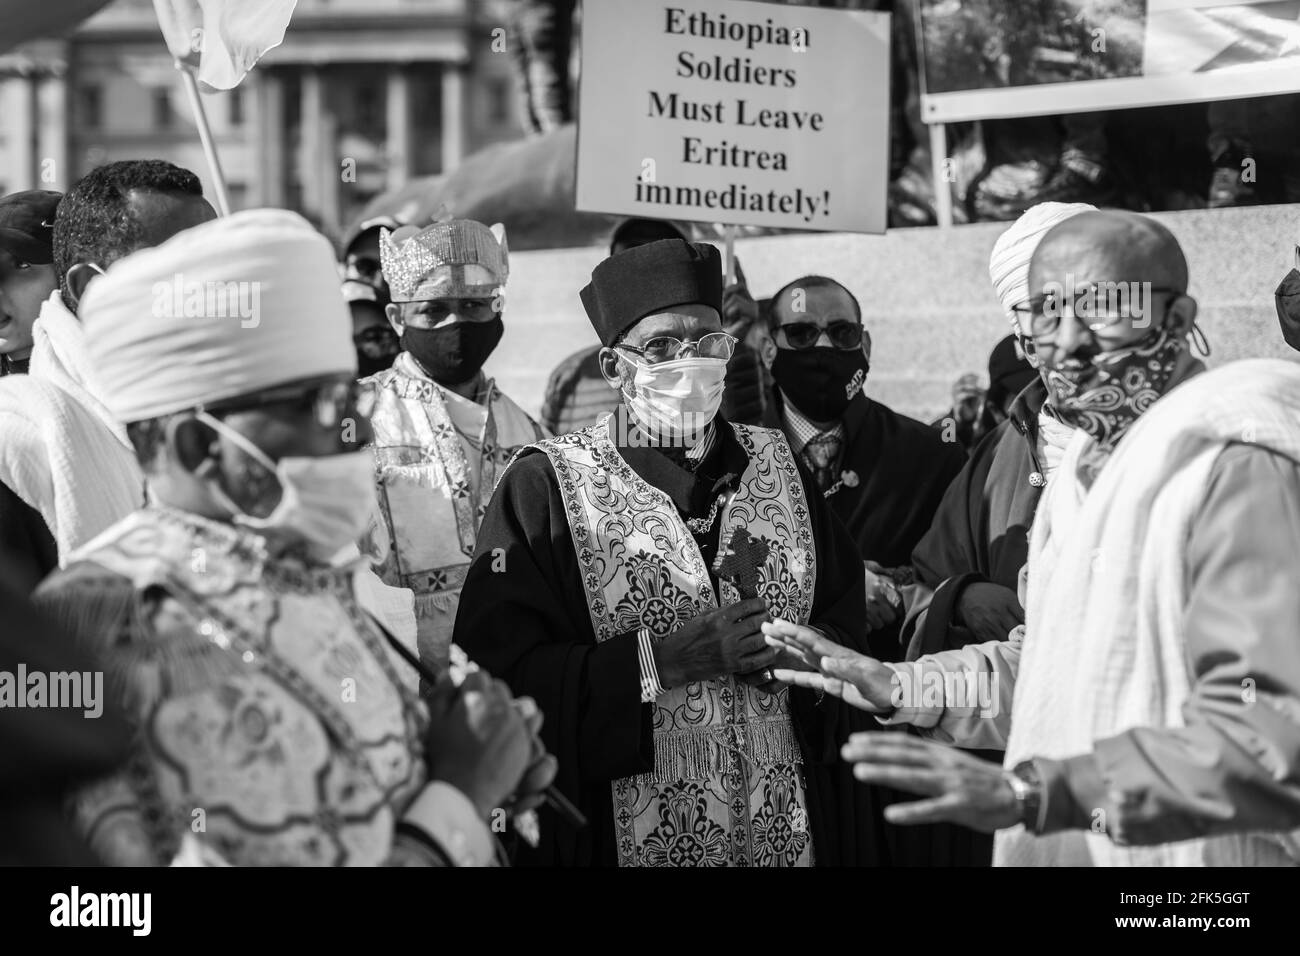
(223, 39)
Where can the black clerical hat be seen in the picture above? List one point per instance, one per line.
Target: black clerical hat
(627, 287)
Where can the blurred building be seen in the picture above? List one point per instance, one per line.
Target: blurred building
(361, 96)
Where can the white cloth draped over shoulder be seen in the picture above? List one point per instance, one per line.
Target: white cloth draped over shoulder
(61, 450)
(1107, 588)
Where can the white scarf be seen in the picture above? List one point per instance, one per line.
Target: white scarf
(61, 451)
(59, 357)
(1108, 584)
(1053, 438)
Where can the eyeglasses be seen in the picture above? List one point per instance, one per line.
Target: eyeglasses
(1096, 307)
(363, 267)
(434, 311)
(377, 340)
(329, 403)
(804, 335)
(1028, 347)
(664, 348)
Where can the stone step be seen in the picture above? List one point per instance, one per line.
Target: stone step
(925, 294)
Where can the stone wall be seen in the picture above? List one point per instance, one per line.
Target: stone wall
(925, 297)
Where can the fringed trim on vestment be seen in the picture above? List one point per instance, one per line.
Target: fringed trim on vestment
(773, 743)
(148, 651)
(430, 475)
(436, 604)
(703, 754)
(172, 666)
(93, 610)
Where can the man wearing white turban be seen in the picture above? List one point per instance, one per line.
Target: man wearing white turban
(967, 563)
(274, 718)
(66, 467)
(978, 542)
(1150, 712)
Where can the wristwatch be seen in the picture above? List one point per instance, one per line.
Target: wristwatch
(1028, 788)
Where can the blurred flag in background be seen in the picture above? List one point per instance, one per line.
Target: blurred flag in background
(221, 40)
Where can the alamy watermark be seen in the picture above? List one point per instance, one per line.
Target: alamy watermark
(678, 430)
(130, 910)
(209, 298)
(74, 690)
(932, 689)
(1092, 301)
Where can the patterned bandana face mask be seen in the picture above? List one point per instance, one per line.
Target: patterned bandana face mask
(1287, 299)
(1106, 395)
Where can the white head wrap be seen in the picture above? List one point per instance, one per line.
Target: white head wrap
(224, 309)
(1009, 263)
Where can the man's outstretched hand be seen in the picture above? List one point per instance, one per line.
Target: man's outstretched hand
(858, 680)
(959, 788)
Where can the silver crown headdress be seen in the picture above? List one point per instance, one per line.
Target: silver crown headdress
(458, 259)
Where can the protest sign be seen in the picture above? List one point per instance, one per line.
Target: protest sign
(734, 112)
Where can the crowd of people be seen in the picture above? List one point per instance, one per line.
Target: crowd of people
(352, 605)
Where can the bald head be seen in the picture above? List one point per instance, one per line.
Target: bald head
(1106, 281)
(1108, 246)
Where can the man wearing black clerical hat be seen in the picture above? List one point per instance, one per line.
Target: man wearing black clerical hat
(623, 577)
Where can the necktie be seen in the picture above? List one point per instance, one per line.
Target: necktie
(822, 456)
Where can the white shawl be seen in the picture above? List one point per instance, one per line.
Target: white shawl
(1108, 584)
(61, 451)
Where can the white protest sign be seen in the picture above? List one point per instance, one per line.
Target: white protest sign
(734, 112)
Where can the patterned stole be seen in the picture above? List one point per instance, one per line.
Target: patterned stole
(426, 493)
(449, 454)
(727, 787)
(278, 639)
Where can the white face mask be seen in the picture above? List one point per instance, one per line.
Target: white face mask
(675, 401)
(325, 501)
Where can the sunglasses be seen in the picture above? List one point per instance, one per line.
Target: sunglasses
(364, 267)
(377, 340)
(329, 403)
(804, 335)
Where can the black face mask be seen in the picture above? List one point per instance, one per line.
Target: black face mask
(453, 354)
(820, 382)
(376, 347)
(1287, 298)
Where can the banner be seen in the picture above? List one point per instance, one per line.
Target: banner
(734, 112)
(985, 59)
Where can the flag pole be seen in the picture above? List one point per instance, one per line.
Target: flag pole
(205, 136)
(729, 245)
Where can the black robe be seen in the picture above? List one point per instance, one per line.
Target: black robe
(527, 622)
(47, 753)
(903, 468)
(980, 533)
(981, 530)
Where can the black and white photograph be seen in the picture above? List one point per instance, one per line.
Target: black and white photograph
(649, 434)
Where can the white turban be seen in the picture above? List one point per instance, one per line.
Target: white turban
(224, 309)
(1009, 263)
